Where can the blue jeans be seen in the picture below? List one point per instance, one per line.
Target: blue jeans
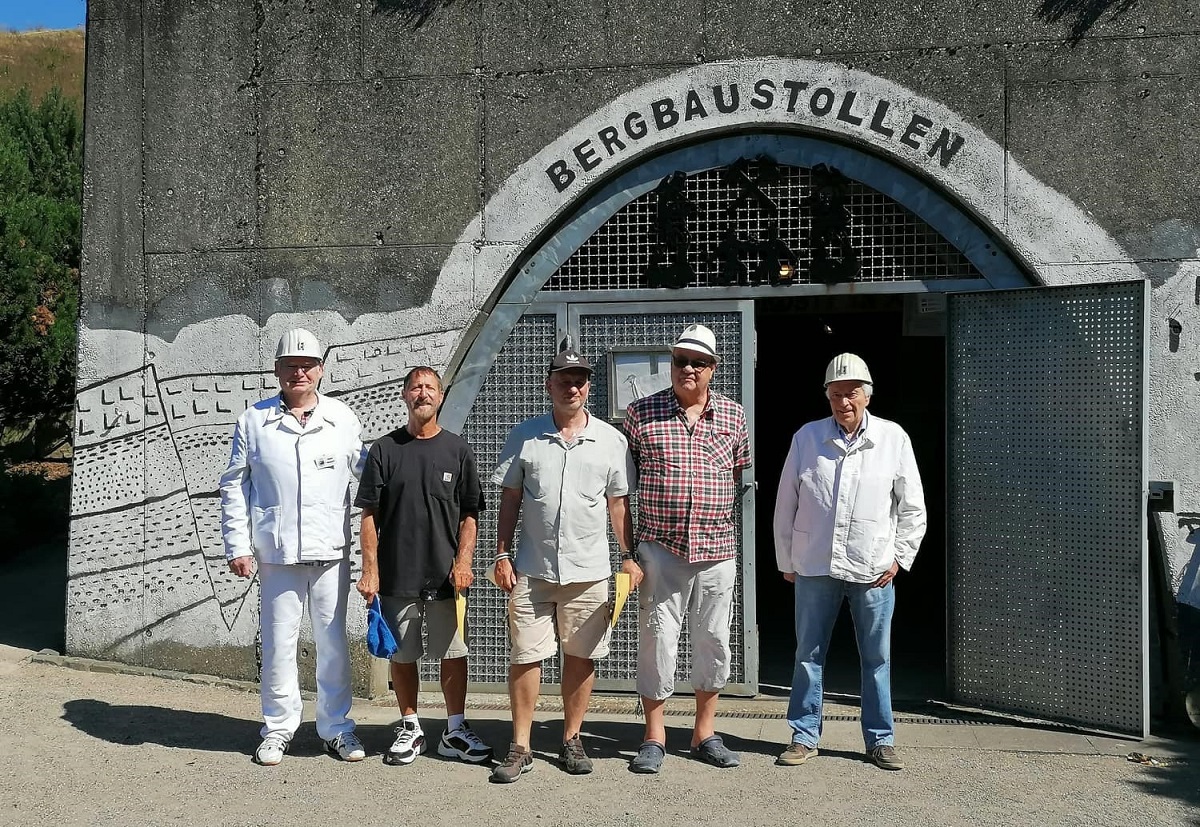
(818, 600)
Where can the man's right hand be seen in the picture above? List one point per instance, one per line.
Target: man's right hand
(506, 576)
(368, 585)
(242, 566)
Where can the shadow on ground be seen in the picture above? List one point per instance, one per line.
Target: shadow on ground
(136, 724)
(1179, 780)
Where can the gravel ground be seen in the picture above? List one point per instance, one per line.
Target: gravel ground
(94, 748)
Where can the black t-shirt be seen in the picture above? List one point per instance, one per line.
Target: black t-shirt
(420, 489)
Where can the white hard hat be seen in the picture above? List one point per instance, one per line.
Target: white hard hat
(298, 342)
(847, 367)
(699, 338)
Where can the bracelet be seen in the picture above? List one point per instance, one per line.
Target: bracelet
(630, 554)
(500, 557)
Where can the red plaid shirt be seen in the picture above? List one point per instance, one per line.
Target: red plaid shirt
(686, 478)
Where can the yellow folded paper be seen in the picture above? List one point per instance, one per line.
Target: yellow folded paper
(460, 605)
(620, 596)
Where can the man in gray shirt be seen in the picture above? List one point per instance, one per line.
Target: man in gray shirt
(567, 469)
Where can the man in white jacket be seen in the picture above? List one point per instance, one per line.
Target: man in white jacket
(285, 499)
(850, 513)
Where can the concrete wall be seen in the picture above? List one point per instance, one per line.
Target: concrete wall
(372, 170)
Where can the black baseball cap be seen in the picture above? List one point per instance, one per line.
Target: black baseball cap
(569, 360)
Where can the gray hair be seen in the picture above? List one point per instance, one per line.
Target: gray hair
(867, 387)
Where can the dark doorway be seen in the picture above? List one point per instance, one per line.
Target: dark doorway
(796, 339)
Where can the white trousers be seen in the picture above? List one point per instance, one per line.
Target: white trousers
(284, 590)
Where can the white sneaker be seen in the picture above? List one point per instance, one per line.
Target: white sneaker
(465, 745)
(409, 743)
(347, 747)
(270, 752)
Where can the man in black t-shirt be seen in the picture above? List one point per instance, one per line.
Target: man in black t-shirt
(420, 496)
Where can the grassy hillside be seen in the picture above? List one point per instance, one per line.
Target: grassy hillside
(40, 60)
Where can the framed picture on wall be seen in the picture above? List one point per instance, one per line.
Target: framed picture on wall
(634, 373)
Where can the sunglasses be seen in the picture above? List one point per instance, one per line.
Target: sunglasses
(697, 364)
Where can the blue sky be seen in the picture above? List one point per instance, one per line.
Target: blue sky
(45, 14)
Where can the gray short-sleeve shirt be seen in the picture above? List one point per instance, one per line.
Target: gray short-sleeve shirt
(564, 535)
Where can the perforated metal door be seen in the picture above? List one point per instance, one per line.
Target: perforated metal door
(1046, 523)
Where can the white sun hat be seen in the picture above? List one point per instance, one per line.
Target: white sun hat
(699, 338)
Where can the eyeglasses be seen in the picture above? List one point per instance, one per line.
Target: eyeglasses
(292, 367)
(697, 364)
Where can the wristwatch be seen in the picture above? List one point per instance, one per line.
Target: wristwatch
(631, 554)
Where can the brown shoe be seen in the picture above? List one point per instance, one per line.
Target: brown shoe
(885, 757)
(574, 760)
(795, 755)
(518, 761)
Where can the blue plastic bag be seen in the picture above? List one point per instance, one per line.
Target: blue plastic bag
(380, 641)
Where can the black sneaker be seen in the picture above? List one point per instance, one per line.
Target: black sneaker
(409, 743)
(465, 745)
(519, 760)
(574, 759)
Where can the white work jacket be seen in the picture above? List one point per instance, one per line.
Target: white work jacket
(849, 512)
(285, 496)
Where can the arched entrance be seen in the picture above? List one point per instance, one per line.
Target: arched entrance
(793, 249)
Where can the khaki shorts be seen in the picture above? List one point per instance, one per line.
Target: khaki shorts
(405, 615)
(580, 611)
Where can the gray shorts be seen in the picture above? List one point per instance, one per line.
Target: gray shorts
(672, 588)
(405, 615)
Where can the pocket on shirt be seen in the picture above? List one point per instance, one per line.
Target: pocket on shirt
(332, 533)
(591, 481)
(264, 527)
(722, 447)
(861, 540)
(440, 487)
(799, 543)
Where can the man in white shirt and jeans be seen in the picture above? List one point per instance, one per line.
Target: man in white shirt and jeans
(849, 514)
(285, 499)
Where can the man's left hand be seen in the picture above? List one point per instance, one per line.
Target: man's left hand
(461, 575)
(887, 577)
(634, 571)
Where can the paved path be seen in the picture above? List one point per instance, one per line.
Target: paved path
(83, 747)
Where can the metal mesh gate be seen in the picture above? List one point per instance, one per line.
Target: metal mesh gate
(891, 242)
(1046, 524)
(513, 391)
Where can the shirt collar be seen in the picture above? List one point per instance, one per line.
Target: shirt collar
(709, 411)
(836, 432)
(279, 411)
(588, 432)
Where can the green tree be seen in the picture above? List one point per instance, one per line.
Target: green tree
(41, 180)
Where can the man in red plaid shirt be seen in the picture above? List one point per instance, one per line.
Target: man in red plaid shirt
(690, 445)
